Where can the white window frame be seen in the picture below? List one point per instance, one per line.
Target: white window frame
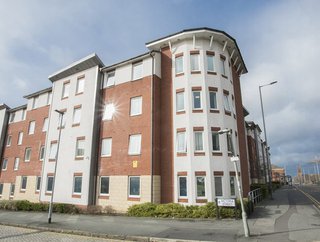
(217, 135)
(80, 88)
(109, 79)
(226, 103)
(38, 183)
(104, 194)
(9, 140)
(195, 57)
(12, 117)
(223, 66)
(214, 92)
(35, 102)
(193, 98)
(234, 185)
(16, 163)
(205, 188)
(12, 189)
(49, 98)
(177, 102)
(137, 99)
(26, 158)
(103, 152)
(129, 186)
(20, 138)
(47, 183)
(74, 185)
(179, 186)
(75, 110)
(4, 165)
(137, 70)
(202, 138)
(213, 63)
(177, 60)
(130, 148)
(23, 115)
(41, 153)
(108, 111)
(83, 142)
(32, 127)
(53, 151)
(45, 125)
(65, 90)
(215, 191)
(26, 178)
(184, 150)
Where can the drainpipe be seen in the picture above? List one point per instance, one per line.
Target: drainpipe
(152, 143)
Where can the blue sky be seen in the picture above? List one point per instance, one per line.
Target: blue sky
(278, 40)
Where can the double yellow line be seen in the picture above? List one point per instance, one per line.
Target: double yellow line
(315, 201)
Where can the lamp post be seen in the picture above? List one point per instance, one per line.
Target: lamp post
(265, 138)
(234, 159)
(55, 166)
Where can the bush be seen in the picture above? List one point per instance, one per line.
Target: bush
(142, 210)
(23, 205)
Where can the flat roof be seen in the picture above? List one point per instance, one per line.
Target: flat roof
(18, 108)
(48, 89)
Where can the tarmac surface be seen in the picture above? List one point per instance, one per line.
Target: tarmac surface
(290, 216)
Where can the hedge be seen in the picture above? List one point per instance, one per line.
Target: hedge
(24, 205)
(174, 210)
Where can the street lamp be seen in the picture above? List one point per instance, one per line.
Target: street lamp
(234, 159)
(55, 166)
(265, 138)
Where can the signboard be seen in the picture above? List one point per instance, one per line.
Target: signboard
(226, 202)
(135, 164)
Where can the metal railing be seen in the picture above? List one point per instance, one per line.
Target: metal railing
(255, 196)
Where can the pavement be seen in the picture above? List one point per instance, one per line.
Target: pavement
(268, 222)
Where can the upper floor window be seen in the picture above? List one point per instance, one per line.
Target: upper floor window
(213, 100)
(198, 136)
(215, 141)
(179, 64)
(23, 114)
(80, 146)
(210, 63)
(65, 89)
(229, 142)
(76, 115)
(35, 102)
(137, 71)
(226, 102)
(20, 138)
(135, 106)
(53, 150)
(32, 126)
(108, 111)
(180, 101)
(49, 97)
(4, 164)
(223, 65)
(80, 85)
(9, 140)
(106, 147)
(135, 144)
(16, 164)
(194, 62)
(41, 153)
(196, 99)
(181, 142)
(27, 154)
(109, 79)
(12, 116)
(45, 125)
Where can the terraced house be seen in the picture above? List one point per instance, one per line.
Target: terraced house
(145, 129)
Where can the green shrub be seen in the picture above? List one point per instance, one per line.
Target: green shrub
(142, 210)
(173, 210)
(23, 205)
(65, 208)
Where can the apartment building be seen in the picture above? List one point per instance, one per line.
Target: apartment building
(142, 130)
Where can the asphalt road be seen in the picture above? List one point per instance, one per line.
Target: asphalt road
(313, 190)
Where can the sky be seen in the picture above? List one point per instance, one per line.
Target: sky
(279, 40)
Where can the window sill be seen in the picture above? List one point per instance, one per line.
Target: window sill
(37, 192)
(180, 112)
(108, 86)
(48, 193)
(214, 111)
(196, 153)
(79, 158)
(211, 73)
(179, 74)
(63, 98)
(22, 191)
(229, 154)
(76, 195)
(138, 79)
(106, 156)
(52, 160)
(181, 154)
(201, 200)
(135, 154)
(227, 112)
(195, 72)
(79, 93)
(197, 111)
(75, 125)
(224, 76)
(103, 196)
(135, 115)
(183, 200)
(137, 199)
(27, 161)
(216, 153)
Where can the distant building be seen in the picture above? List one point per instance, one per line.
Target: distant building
(278, 174)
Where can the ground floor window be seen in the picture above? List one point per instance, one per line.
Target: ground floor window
(77, 184)
(104, 185)
(1, 188)
(50, 181)
(134, 186)
(232, 186)
(12, 187)
(201, 188)
(183, 192)
(218, 186)
(38, 183)
(24, 180)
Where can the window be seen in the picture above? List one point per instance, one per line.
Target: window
(35, 101)
(223, 67)
(80, 85)
(1, 188)
(41, 153)
(179, 64)
(12, 116)
(12, 188)
(20, 138)
(213, 100)
(183, 186)
(62, 119)
(76, 115)
(232, 186)
(229, 142)
(45, 125)
(106, 147)
(108, 111)
(38, 183)
(50, 181)
(65, 90)
(16, 164)
(23, 114)
(27, 154)
(201, 189)
(134, 186)
(23, 183)
(134, 144)
(80, 147)
(135, 106)
(4, 164)
(109, 79)
(53, 151)
(104, 185)
(77, 184)
(181, 142)
(196, 99)
(32, 125)
(215, 141)
(9, 140)
(137, 71)
(180, 101)
(210, 63)
(198, 140)
(218, 186)
(194, 62)
(49, 97)
(226, 103)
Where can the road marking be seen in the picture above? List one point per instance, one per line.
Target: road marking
(315, 201)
